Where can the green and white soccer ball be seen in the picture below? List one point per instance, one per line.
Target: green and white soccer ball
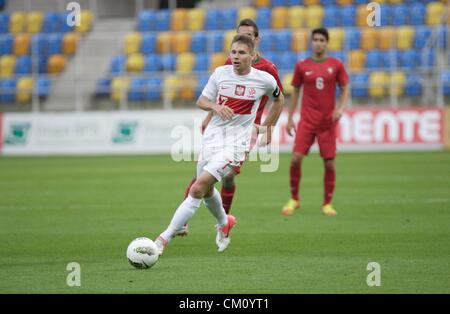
(142, 253)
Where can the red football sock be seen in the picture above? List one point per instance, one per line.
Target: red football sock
(329, 183)
(227, 195)
(186, 193)
(295, 176)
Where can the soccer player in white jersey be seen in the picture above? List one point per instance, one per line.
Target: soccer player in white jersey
(233, 93)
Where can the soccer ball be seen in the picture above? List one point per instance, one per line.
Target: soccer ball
(142, 253)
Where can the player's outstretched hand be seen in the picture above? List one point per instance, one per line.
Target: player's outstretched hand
(289, 127)
(224, 112)
(266, 138)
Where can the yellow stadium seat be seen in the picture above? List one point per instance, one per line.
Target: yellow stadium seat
(217, 59)
(435, 13)
(86, 19)
(361, 15)
(314, 16)
(377, 83)
(70, 43)
(369, 38)
(21, 44)
(185, 62)
(356, 60)
(7, 65)
(279, 17)
(34, 22)
(344, 2)
(56, 64)
(246, 13)
(171, 87)
(311, 2)
(297, 16)
(181, 42)
(386, 38)
(299, 40)
(164, 42)
(405, 37)
(187, 86)
(196, 19)
(287, 87)
(135, 62)
(336, 40)
(228, 38)
(398, 80)
(179, 19)
(133, 42)
(394, 1)
(24, 89)
(119, 87)
(262, 3)
(17, 22)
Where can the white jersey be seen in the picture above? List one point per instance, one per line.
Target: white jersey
(243, 94)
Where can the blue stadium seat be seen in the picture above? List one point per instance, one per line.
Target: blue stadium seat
(427, 57)
(23, 65)
(103, 87)
(136, 89)
(386, 14)
(39, 45)
(348, 16)
(287, 60)
(422, 35)
(413, 86)
(148, 44)
(445, 78)
(326, 2)
(417, 13)
(332, 16)
(201, 62)
(263, 18)
(2, 4)
(407, 58)
(388, 58)
(400, 13)
(229, 17)
(340, 55)
(42, 64)
(6, 44)
(199, 42)
(278, 3)
(153, 89)
(373, 59)
(7, 90)
(359, 2)
(273, 57)
(215, 42)
(163, 20)
(146, 21)
(168, 62)
(201, 83)
(265, 45)
(55, 44)
(353, 39)
(51, 23)
(4, 23)
(212, 19)
(64, 26)
(442, 37)
(42, 87)
(359, 84)
(117, 65)
(282, 41)
(152, 62)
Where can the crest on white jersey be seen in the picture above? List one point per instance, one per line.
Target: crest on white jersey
(240, 90)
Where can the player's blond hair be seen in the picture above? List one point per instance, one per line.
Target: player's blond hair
(244, 39)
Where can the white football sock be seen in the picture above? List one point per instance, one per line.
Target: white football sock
(182, 215)
(214, 204)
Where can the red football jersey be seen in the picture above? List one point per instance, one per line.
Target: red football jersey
(319, 80)
(265, 65)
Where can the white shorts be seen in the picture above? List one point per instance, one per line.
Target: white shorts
(219, 162)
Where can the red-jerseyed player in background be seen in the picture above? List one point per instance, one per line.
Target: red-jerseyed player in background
(319, 116)
(246, 27)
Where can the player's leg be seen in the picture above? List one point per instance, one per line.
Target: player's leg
(327, 146)
(187, 208)
(304, 139)
(227, 191)
(184, 230)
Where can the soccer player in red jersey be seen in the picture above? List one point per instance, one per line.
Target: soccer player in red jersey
(318, 76)
(246, 27)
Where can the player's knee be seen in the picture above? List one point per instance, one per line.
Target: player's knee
(297, 158)
(228, 180)
(197, 190)
(329, 164)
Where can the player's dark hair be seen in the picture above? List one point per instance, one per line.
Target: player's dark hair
(244, 39)
(322, 31)
(250, 22)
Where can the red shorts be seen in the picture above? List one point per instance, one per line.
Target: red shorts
(326, 138)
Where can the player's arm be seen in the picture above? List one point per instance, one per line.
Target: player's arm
(272, 118)
(224, 112)
(340, 108)
(293, 106)
(206, 120)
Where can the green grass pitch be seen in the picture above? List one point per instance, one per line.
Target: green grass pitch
(393, 209)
